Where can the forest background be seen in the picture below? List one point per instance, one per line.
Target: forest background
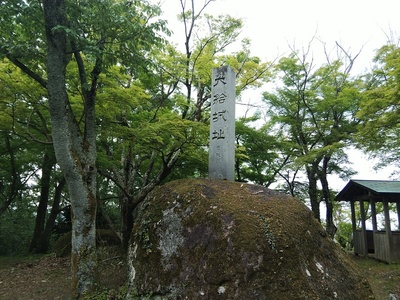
(102, 102)
(361, 26)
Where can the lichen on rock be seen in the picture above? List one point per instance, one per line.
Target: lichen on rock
(211, 239)
(170, 234)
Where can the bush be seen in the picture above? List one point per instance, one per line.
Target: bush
(344, 235)
(16, 228)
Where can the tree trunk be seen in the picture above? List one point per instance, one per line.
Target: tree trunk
(55, 210)
(75, 151)
(330, 226)
(126, 206)
(12, 191)
(47, 166)
(129, 201)
(313, 191)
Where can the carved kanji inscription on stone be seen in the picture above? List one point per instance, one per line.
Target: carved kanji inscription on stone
(222, 124)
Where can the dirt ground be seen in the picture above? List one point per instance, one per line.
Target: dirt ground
(36, 278)
(48, 277)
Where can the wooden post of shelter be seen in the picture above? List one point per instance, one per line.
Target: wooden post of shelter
(363, 229)
(374, 222)
(373, 215)
(398, 214)
(353, 216)
(388, 230)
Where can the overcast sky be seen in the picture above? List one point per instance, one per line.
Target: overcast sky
(273, 25)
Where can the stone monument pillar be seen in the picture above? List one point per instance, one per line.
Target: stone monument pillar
(222, 124)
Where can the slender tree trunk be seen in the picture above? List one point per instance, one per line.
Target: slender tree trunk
(238, 169)
(55, 210)
(13, 188)
(126, 219)
(75, 151)
(330, 226)
(129, 202)
(313, 191)
(105, 215)
(41, 213)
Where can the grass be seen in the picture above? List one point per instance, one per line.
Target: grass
(383, 278)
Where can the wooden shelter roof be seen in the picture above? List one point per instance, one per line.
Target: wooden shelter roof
(355, 189)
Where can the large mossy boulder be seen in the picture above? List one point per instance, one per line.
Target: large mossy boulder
(211, 239)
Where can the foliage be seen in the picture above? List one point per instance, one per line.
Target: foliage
(260, 157)
(344, 235)
(152, 109)
(379, 113)
(312, 114)
(154, 127)
(16, 226)
(151, 99)
(96, 39)
(22, 117)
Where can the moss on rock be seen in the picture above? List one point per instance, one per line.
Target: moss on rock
(211, 239)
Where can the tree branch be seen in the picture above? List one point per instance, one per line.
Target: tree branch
(27, 71)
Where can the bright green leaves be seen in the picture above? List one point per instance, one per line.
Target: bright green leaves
(312, 111)
(380, 110)
(251, 71)
(139, 126)
(257, 153)
(21, 29)
(23, 107)
(126, 29)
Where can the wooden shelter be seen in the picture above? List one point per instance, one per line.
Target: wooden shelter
(383, 244)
